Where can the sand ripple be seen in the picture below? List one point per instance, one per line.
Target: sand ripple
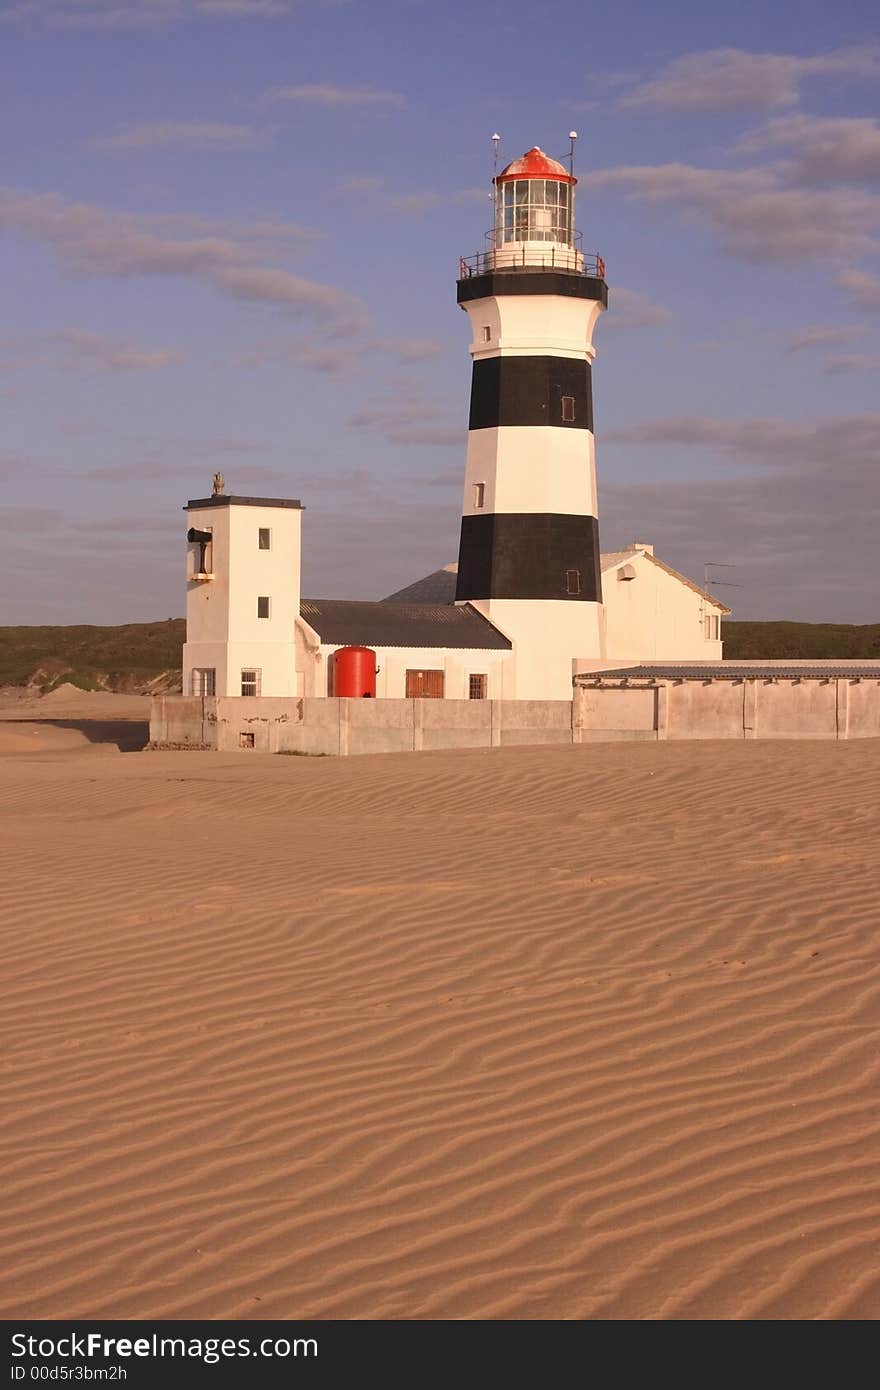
(524, 1033)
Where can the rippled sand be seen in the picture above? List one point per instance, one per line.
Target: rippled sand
(533, 1033)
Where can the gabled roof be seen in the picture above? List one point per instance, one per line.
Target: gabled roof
(439, 587)
(613, 558)
(348, 622)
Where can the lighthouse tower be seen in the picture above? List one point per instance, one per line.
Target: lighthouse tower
(529, 552)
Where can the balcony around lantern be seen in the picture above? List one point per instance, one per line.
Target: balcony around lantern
(509, 254)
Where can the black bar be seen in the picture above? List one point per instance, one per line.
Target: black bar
(569, 283)
(531, 391)
(528, 556)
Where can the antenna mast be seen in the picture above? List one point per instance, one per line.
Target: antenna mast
(572, 136)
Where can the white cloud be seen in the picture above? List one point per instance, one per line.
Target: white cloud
(630, 309)
(77, 349)
(827, 150)
(186, 135)
(862, 286)
(800, 522)
(334, 97)
(136, 14)
(103, 353)
(756, 216)
(854, 362)
(732, 78)
(819, 337)
(408, 415)
(332, 359)
(851, 440)
(94, 241)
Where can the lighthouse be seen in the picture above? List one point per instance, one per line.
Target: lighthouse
(529, 549)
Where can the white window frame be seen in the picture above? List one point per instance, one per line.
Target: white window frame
(257, 681)
(203, 680)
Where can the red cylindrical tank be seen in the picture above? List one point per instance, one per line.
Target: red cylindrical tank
(354, 672)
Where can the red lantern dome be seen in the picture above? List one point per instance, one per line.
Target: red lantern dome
(535, 164)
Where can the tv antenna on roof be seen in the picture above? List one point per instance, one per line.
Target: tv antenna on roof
(716, 583)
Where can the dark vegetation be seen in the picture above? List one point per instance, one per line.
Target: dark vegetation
(145, 657)
(135, 658)
(800, 641)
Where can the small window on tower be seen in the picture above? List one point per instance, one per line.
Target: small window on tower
(487, 334)
(479, 496)
(477, 687)
(250, 682)
(572, 581)
(263, 604)
(567, 409)
(265, 538)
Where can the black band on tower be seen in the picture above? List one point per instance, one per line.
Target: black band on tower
(543, 555)
(531, 391)
(532, 280)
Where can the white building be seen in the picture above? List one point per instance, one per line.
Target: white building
(653, 613)
(242, 595)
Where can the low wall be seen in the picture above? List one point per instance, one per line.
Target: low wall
(339, 726)
(764, 707)
(606, 710)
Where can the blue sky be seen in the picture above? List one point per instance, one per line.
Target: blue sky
(231, 230)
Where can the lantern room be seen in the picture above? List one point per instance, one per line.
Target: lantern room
(534, 201)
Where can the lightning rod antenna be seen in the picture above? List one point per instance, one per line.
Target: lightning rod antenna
(572, 136)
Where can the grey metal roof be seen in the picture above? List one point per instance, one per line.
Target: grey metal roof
(349, 622)
(438, 587)
(738, 671)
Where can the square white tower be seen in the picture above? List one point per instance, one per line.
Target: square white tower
(242, 595)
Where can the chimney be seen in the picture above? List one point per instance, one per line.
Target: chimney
(642, 545)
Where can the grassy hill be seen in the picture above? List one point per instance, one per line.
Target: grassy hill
(800, 641)
(142, 657)
(137, 657)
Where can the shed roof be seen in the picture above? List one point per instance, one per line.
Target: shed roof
(737, 671)
(347, 622)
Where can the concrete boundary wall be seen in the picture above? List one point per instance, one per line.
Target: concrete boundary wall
(764, 707)
(340, 727)
(798, 708)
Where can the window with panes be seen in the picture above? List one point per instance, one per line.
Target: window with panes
(534, 210)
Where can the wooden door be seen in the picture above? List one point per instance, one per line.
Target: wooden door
(424, 685)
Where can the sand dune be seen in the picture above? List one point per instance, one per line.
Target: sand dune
(532, 1033)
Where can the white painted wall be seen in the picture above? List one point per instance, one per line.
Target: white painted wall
(523, 325)
(538, 253)
(456, 663)
(223, 630)
(541, 468)
(654, 617)
(548, 635)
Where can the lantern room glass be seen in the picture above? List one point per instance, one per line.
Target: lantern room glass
(533, 210)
